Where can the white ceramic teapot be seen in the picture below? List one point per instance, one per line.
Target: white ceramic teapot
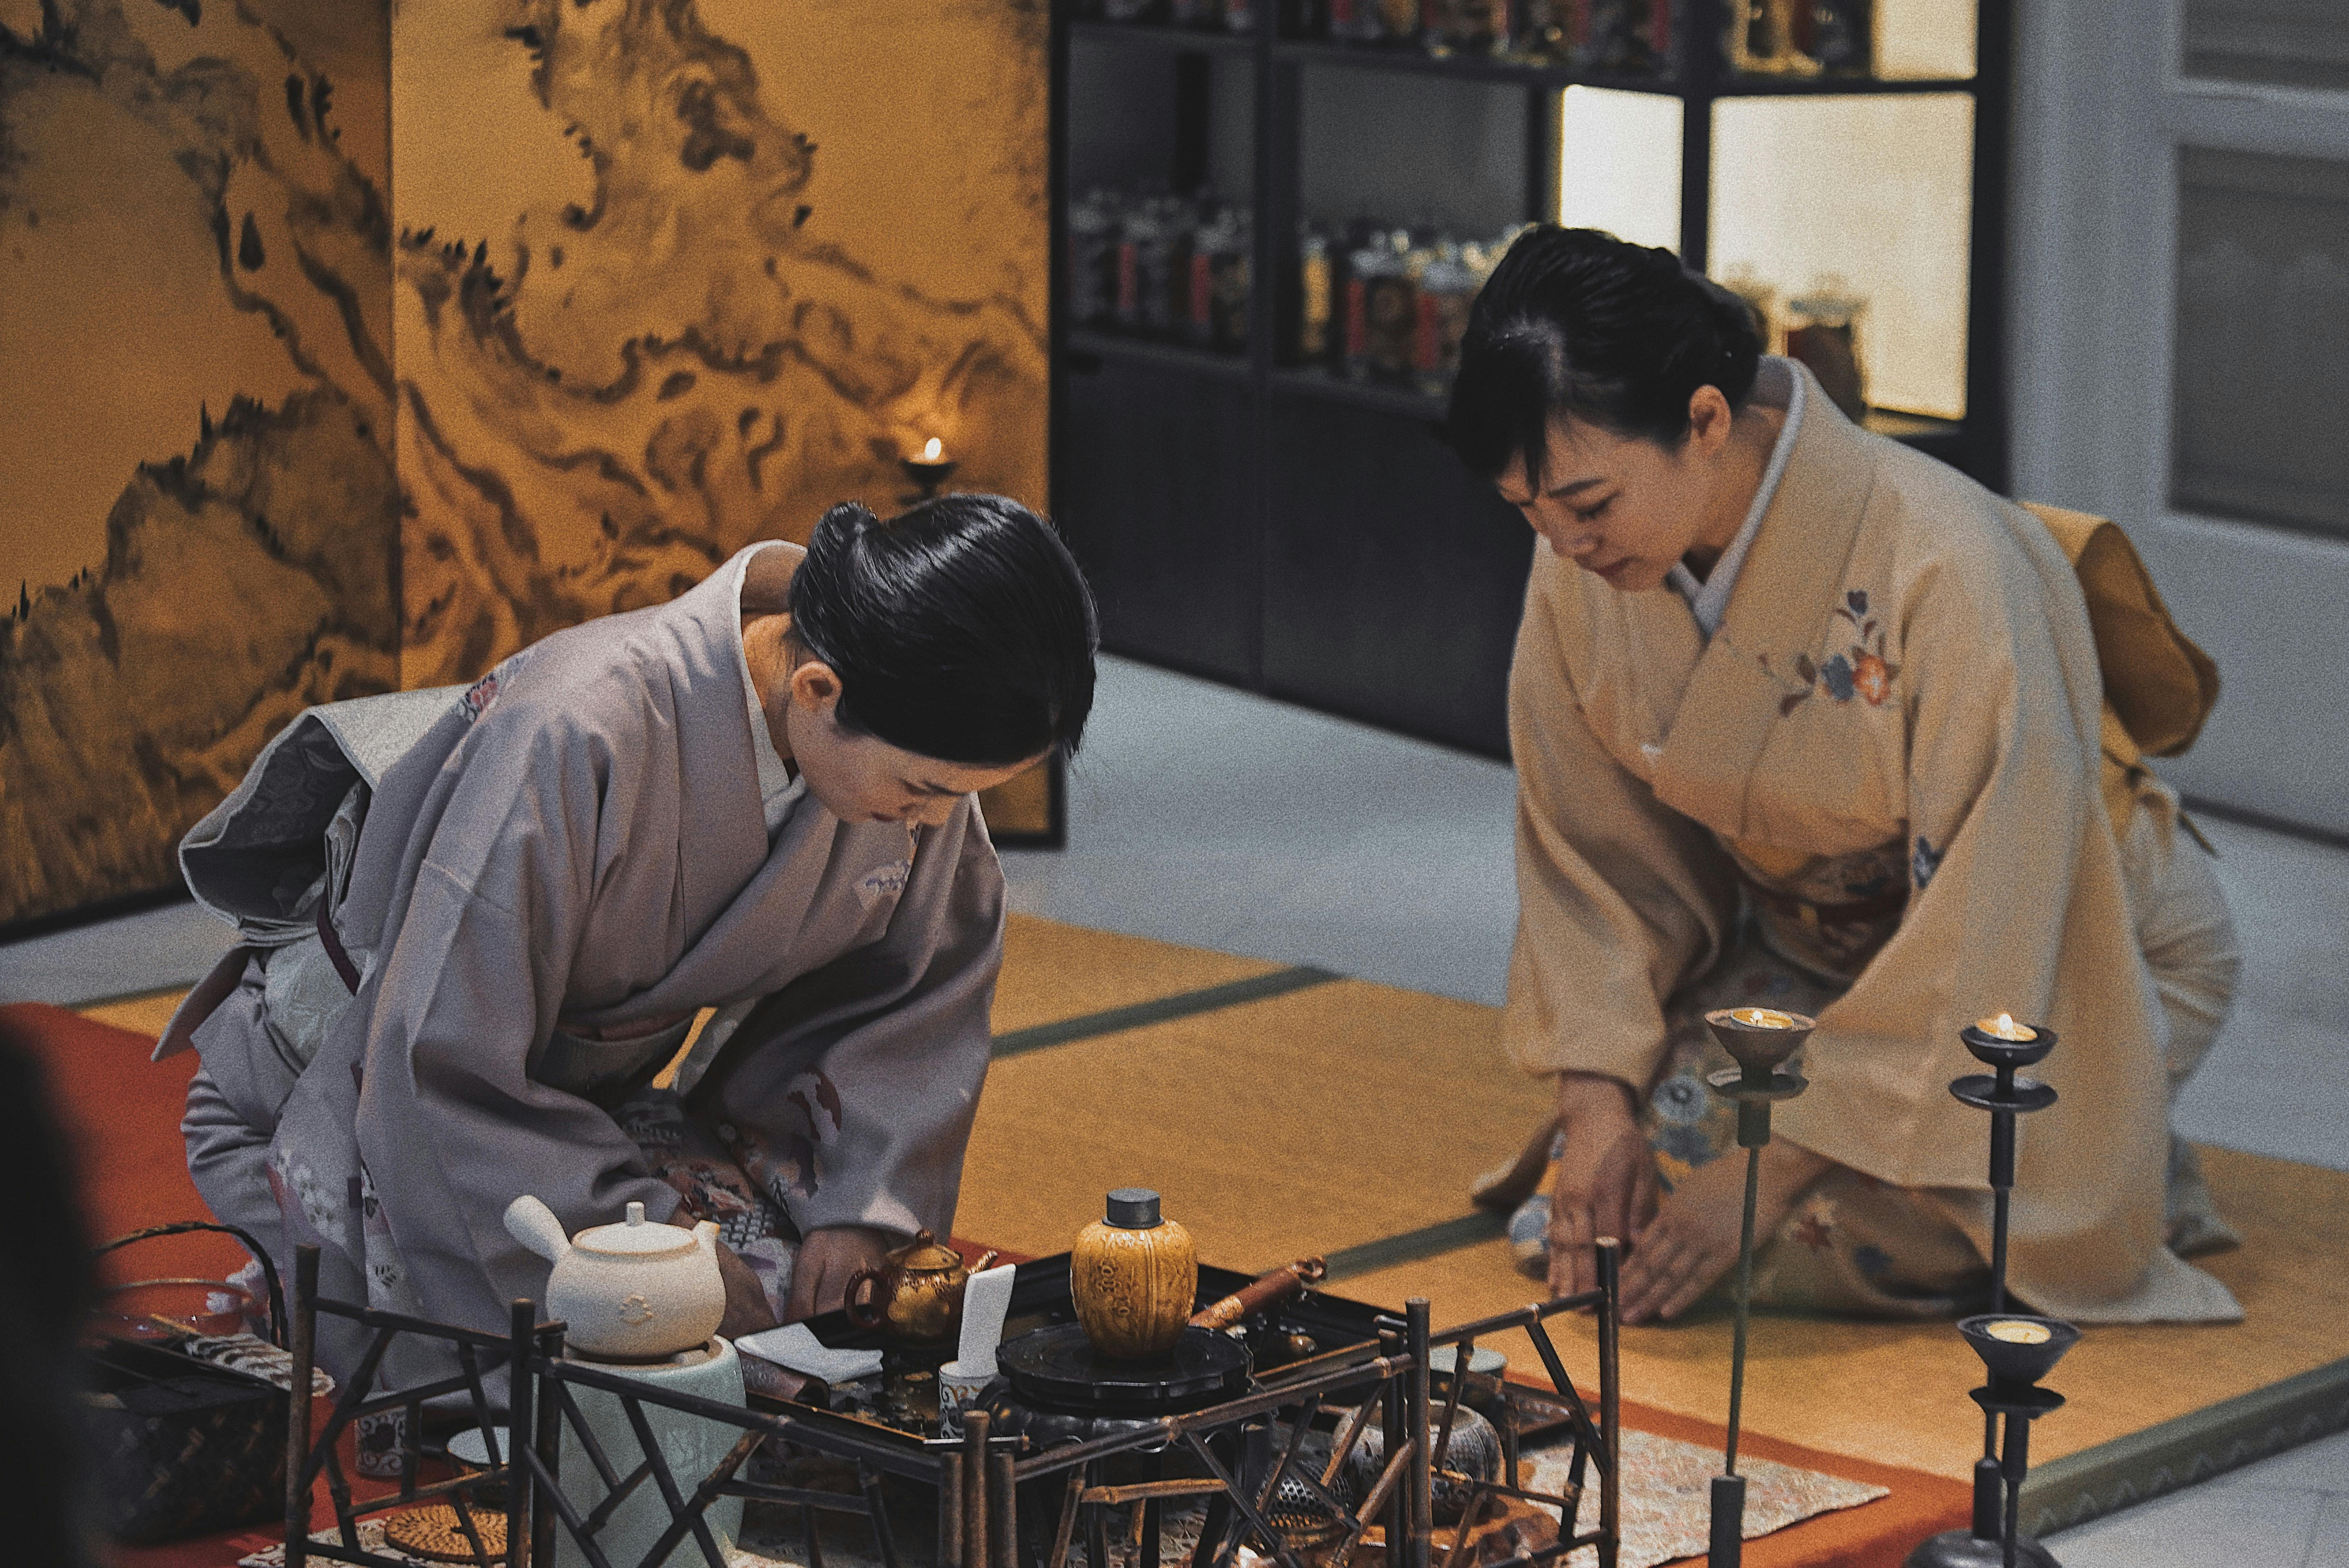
(636, 1290)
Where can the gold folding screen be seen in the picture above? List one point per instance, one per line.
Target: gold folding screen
(342, 351)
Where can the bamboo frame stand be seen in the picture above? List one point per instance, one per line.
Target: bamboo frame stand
(980, 1480)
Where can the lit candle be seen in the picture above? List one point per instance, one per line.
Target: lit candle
(2020, 1333)
(1763, 1018)
(2005, 1028)
(934, 450)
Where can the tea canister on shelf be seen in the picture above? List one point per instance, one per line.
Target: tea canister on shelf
(1135, 1278)
(1760, 300)
(1314, 295)
(1822, 332)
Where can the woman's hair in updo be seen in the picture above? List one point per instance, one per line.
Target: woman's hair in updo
(1576, 322)
(961, 629)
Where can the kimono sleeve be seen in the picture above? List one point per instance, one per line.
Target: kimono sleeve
(451, 1126)
(1619, 897)
(860, 1080)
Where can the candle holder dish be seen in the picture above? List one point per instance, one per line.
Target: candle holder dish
(1760, 1040)
(927, 476)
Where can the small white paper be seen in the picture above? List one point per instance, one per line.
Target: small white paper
(795, 1346)
(985, 1302)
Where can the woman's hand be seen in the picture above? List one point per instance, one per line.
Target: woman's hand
(747, 1308)
(1694, 1239)
(828, 1259)
(1605, 1185)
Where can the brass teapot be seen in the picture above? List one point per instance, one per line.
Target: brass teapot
(916, 1295)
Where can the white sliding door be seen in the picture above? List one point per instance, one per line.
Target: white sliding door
(2181, 347)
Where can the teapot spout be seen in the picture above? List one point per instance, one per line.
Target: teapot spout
(534, 1225)
(705, 1236)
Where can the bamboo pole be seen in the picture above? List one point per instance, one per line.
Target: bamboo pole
(304, 1345)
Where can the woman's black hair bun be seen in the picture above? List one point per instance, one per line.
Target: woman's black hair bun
(1578, 323)
(854, 517)
(961, 629)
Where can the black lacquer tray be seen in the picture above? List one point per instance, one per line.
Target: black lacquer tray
(1056, 1367)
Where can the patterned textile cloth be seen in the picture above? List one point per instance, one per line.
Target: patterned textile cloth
(728, 1174)
(1668, 1502)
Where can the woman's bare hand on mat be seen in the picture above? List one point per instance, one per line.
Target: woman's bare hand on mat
(1694, 1239)
(747, 1308)
(828, 1259)
(1605, 1185)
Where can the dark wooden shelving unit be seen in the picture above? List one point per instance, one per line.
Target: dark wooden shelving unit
(1158, 35)
(1293, 532)
(1178, 356)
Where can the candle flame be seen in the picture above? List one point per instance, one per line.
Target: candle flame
(2020, 1333)
(2005, 1028)
(2005, 1025)
(933, 449)
(1763, 1018)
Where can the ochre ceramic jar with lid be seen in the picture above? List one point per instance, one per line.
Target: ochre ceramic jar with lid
(1135, 1278)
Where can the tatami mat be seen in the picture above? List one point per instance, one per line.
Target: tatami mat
(1344, 1114)
(141, 1014)
(1306, 1123)
(1897, 1392)
(1352, 1114)
(1349, 1112)
(1050, 971)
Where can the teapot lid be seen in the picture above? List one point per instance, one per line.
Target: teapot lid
(926, 1254)
(635, 1235)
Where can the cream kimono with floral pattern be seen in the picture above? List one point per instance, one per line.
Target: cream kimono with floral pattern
(1904, 693)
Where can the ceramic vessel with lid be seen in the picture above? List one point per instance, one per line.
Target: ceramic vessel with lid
(636, 1290)
(1135, 1278)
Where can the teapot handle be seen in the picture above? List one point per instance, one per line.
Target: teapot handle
(866, 1314)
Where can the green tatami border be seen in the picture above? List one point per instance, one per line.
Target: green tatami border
(1160, 1010)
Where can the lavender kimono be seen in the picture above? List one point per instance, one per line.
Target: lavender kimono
(569, 861)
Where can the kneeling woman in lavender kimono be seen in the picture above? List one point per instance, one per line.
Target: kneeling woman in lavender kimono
(1803, 718)
(479, 925)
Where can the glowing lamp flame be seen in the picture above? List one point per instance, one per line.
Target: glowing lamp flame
(2005, 1028)
(933, 449)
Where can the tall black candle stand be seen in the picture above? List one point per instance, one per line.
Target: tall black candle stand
(1758, 1039)
(2017, 1358)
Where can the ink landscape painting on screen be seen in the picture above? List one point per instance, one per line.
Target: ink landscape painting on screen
(652, 281)
(197, 499)
(730, 260)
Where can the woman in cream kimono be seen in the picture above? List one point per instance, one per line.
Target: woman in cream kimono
(1802, 718)
(478, 925)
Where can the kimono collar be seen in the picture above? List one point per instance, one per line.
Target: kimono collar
(717, 719)
(1709, 600)
(1791, 580)
(779, 789)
